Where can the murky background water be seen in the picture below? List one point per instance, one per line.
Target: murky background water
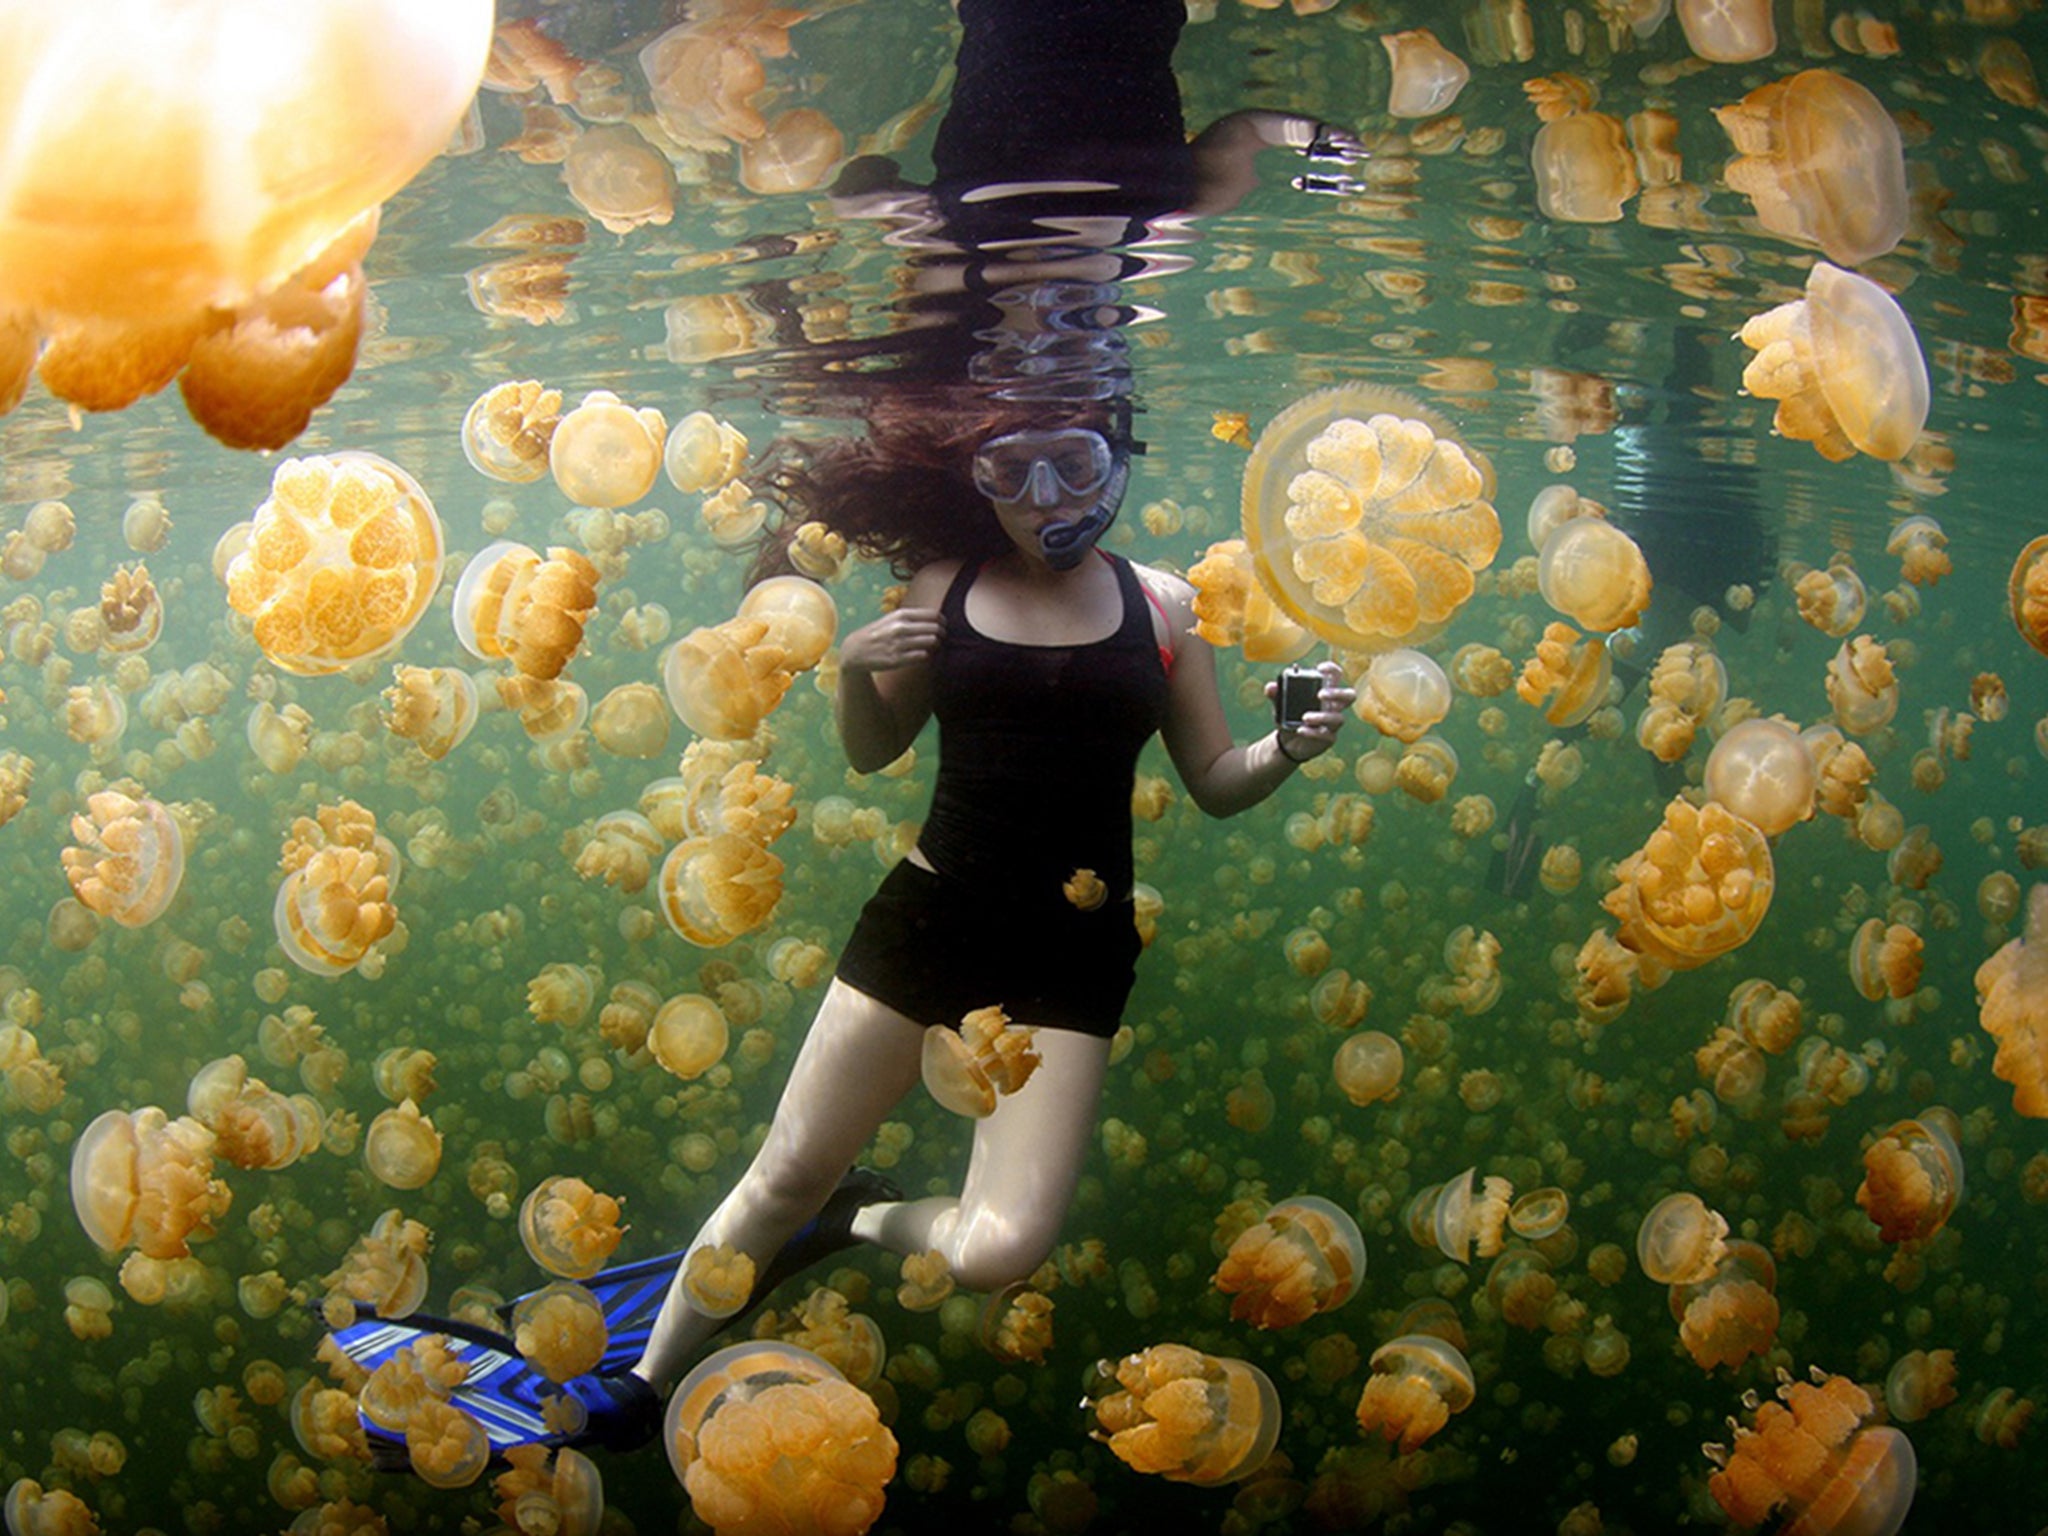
(1441, 278)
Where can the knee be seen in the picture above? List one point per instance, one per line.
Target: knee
(789, 1193)
(989, 1258)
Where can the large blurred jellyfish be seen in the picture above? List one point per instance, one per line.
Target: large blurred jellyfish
(1816, 1457)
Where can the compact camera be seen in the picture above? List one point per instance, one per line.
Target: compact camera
(1300, 690)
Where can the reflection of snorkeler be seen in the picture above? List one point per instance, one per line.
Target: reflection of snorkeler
(1684, 491)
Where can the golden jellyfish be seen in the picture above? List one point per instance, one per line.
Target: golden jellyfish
(1366, 516)
(617, 178)
(1687, 685)
(278, 737)
(1403, 694)
(17, 775)
(688, 1035)
(927, 1280)
(620, 849)
(1697, 888)
(1832, 600)
(31, 1509)
(2012, 1004)
(1561, 869)
(1815, 1456)
(162, 199)
(723, 680)
(1232, 607)
(569, 1229)
(1680, 1240)
(434, 708)
(402, 1148)
(1913, 1177)
(735, 797)
(340, 564)
(1418, 1381)
(146, 526)
(127, 857)
(143, 1180)
(88, 1308)
(2027, 593)
(446, 1447)
(606, 454)
(1821, 160)
(507, 430)
(1919, 1382)
(1584, 169)
(1554, 506)
(817, 551)
(1728, 31)
(1427, 769)
(559, 1330)
(800, 150)
(254, 1125)
(549, 710)
(131, 611)
(96, 714)
(988, 1057)
(562, 993)
(1885, 959)
(1459, 1220)
(703, 454)
(1016, 1324)
(1843, 365)
(1567, 676)
(631, 721)
(336, 898)
(512, 605)
(1732, 1313)
(1187, 1416)
(1594, 574)
(767, 1436)
(1538, 1213)
(1862, 686)
(1305, 1256)
(1922, 550)
(718, 1279)
(1761, 771)
(801, 616)
(1427, 75)
(556, 1491)
(1480, 671)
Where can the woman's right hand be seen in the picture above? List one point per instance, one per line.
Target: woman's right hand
(900, 639)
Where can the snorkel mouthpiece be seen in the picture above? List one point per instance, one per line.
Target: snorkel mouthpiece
(1064, 544)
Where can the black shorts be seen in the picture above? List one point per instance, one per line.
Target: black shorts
(934, 949)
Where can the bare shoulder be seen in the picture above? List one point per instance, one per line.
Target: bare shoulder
(928, 587)
(1175, 593)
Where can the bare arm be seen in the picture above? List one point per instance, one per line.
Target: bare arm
(1225, 151)
(885, 683)
(1221, 776)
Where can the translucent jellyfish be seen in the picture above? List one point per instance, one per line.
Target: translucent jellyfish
(718, 1279)
(606, 454)
(1427, 769)
(560, 1330)
(1862, 686)
(1232, 607)
(2027, 593)
(1809, 1457)
(1189, 1417)
(723, 792)
(1403, 694)
(801, 616)
(987, 1058)
(549, 710)
(33, 1510)
(1732, 1314)
(818, 551)
(1367, 527)
(512, 605)
(402, 1148)
(1832, 600)
(1303, 1257)
(1919, 1382)
(1728, 31)
(146, 526)
(1921, 548)
(724, 680)
(1761, 771)
(254, 1126)
(508, 428)
(767, 1436)
(1843, 365)
(1681, 1241)
(1085, 890)
(1427, 75)
(1539, 1212)
(1913, 1177)
(336, 898)
(798, 153)
(1885, 959)
(131, 612)
(1567, 677)
(1418, 1382)
(96, 714)
(1821, 159)
(140, 1179)
(617, 178)
(558, 1491)
(631, 721)
(1584, 169)
(2012, 1004)
(733, 514)
(1016, 1324)
(446, 1446)
(569, 1229)
(341, 562)
(1458, 1220)
(1697, 888)
(621, 849)
(703, 454)
(278, 737)
(161, 196)
(689, 1035)
(1594, 574)
(1687, 685)
(434, 708)
(1561, 869)
(127, 857)
(927, 1282)
(88, 1308)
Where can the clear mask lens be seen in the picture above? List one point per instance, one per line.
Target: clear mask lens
(1043, 464)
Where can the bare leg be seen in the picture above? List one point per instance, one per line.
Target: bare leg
(859, 1058)
(1020, 1180)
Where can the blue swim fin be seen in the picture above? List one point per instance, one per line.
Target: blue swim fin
(630, 1296)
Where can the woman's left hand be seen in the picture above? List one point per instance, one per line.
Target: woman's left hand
(1319, 727)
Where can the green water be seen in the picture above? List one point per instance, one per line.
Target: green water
(1446, 260)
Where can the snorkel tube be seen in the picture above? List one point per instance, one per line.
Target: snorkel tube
(1064, 544)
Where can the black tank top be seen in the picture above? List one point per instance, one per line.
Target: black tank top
(1038, 746)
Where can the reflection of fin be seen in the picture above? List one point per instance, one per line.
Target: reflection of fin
(1515, 863)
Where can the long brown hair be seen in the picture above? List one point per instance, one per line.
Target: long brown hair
(904, 492)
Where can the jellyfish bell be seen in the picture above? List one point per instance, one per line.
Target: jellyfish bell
(987, 1058)
(2027, 593)
(1594, 574)
(2012, 1004)
(1427, 75)
(1913, 1177)
(127, 857)
(1366, 516)
(689, 1035)
(1418, 1381)
(508, 428)
(703, 454)
(1680, 1240)
(1761, 771)
(1232, 607)
(798, 153)
(568, 1228)
(1832, 600)
(606, 454)
(1822, 161)
(513, 605)
(1403, 694)
(1187, 1416)
(1862, 686)
(560, 1330)
(1728, 31)
(434, 708)
(1584, 169)
(1554, 506)
(1304, 1257)
(617, 178)
(1815, 1456)
(1844, 366)
(801, 616)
